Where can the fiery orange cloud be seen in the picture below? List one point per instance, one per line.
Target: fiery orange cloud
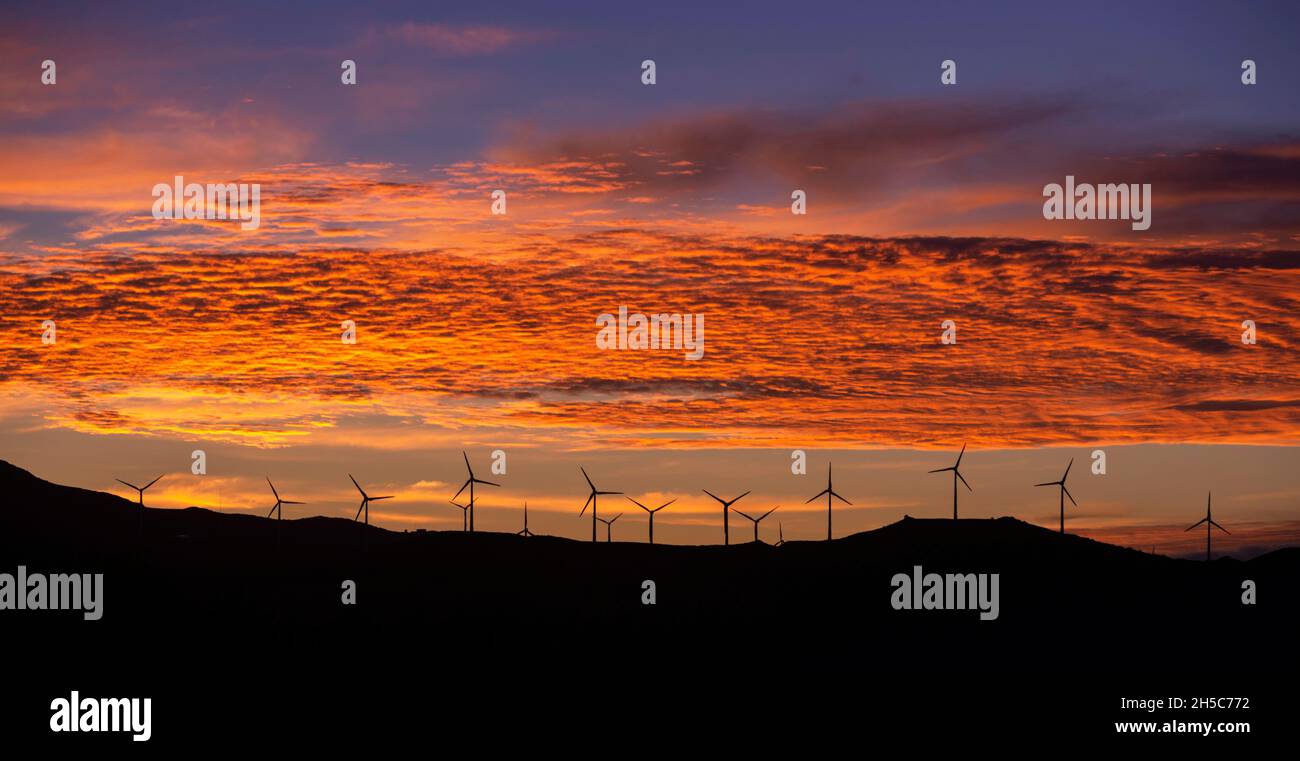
(813, 340)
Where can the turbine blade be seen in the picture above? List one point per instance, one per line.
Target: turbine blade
(358, 515)
(1221, 528)
(609, 492)
(584, 475)
(1068, 494)
(1194, 525)
(941, 470)
(963, 479)
(458, 491)
(151, 483)
(372, 499)
(959, 455)
(666, 504)
(638, 504)
(836, 496)
(737, 499)
(272, 511)
(1067, 470)
(711, 494)
(769, 512)
(273, 491)
(586, 504)
(467, 467)
(354, 483)
(742, 513)
(481, 481)
(1049, 483)
(616, 517)
(291, 502)
(133, 486)
(818, 495)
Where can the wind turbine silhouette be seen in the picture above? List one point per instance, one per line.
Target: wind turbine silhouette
(277, 511)
(470, 483)
(1064, 492)
(464, 515)
(140, 489)
(780, 534)
(525, 531)
(366, 499)
(1208, 521)
(652, 514)
(591, 500)
(756, 520)
(726, 507)
(609, 525)
(829, 491)
(956, 474)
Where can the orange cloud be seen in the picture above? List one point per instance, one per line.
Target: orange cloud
(830, 340)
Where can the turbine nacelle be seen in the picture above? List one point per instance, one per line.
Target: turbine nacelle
(594, 492)
(140, 489)
(654, 510)
(276, 509)
(366, 499)
(1207, 519)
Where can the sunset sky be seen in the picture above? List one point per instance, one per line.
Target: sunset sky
(822, 332)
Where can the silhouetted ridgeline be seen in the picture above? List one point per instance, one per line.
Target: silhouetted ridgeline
(208, 575)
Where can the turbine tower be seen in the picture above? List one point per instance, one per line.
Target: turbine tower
(1208, 521)
(652, 514)
(829, 491)
(366, 499)
(726, 508)
(756, 520)
(780, 534)
(609, 526)
(591, 500)
(470, 483)
(277, 511)
(140, 489)
(1064, 492)
(525, 531)
(956, 474)
(464, 515)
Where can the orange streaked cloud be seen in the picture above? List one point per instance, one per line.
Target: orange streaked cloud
(813, 340)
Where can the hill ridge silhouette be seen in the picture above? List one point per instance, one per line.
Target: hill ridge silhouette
(218, 576)
(118, 514)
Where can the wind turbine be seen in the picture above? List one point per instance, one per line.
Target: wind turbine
(609, 526)
(591, 500)
(140, 489)
(366, 499)
(956, 474)
(829, 491)
(464, 515)
(1208, 521)
(652, 514)
(525, 531)
(1064, 492)
(780, 534)
(756, 520)
(470, 483)
(277, 511)
(726, 507)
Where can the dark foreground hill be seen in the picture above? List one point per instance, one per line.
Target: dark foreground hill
(212, 610)
(197, 570)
